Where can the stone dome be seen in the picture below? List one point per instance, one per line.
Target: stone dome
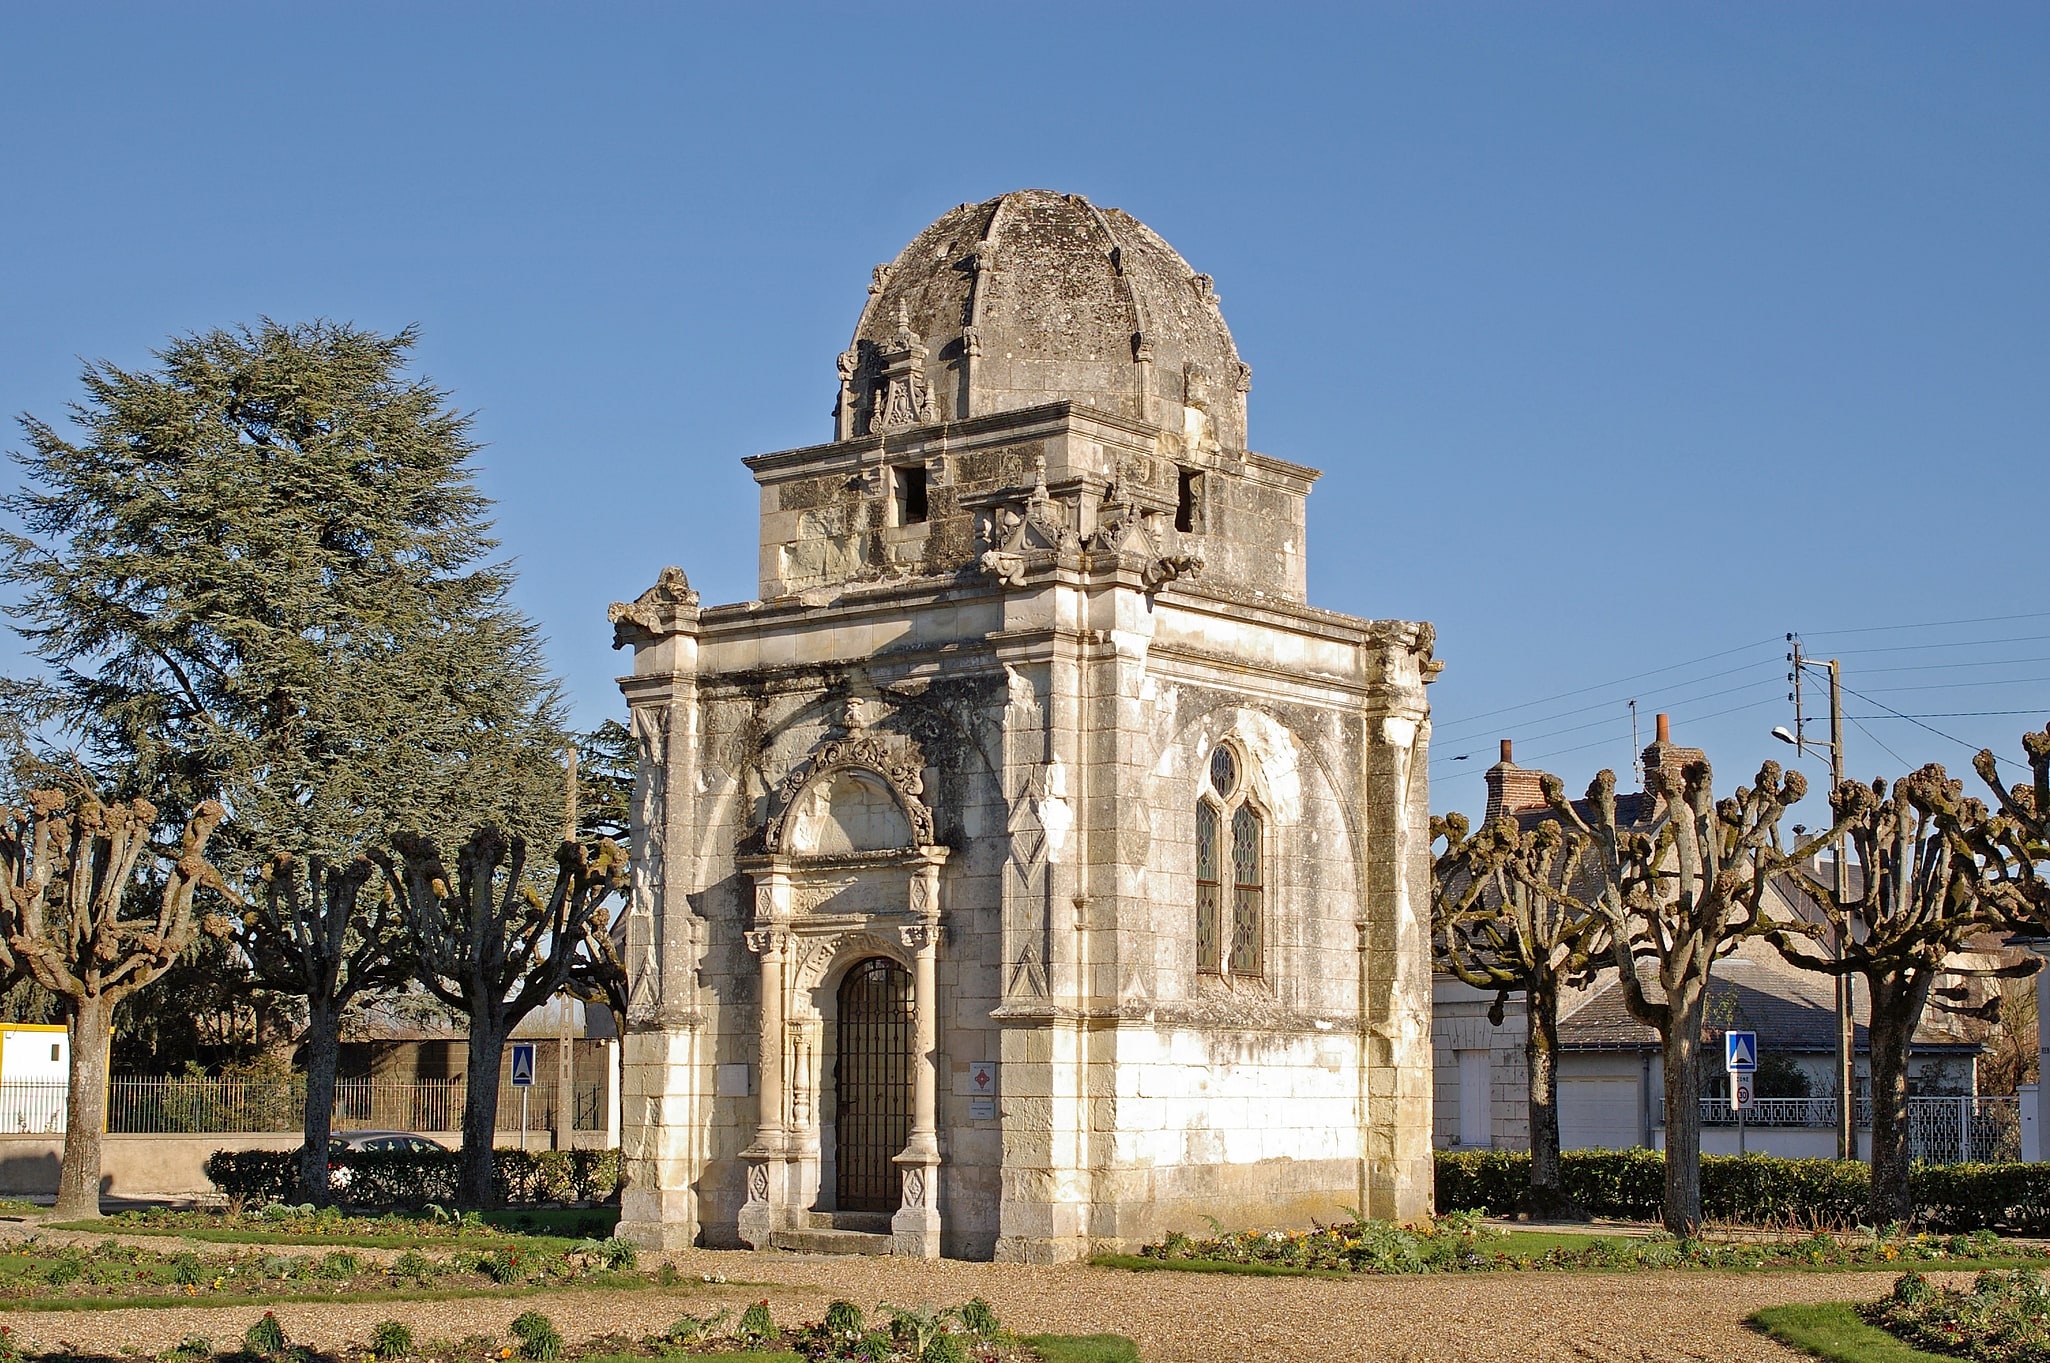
(1036, 297)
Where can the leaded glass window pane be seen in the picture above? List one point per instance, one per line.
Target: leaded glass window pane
(1246, 887)
(1209, 892)
(1224, 771)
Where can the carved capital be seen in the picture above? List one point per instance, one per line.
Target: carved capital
(767, 941)
(921, 936)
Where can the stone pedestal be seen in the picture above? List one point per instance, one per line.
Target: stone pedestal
(915, 1227)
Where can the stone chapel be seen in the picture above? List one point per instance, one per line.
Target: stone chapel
(1030, 870)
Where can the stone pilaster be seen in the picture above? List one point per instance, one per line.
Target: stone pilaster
(915, 1227)
(662, 1080)
(1396, 932)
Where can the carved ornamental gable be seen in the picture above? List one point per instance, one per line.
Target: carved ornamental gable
(1018, 532)
(897, 761)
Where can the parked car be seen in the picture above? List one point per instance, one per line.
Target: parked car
(394, 1142)
(400, 1141)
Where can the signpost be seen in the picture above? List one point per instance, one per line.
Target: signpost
(1740, 1058)
(523, 1080)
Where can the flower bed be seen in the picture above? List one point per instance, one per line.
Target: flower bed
(969, 1333)
(2000, 1318)
(38, 1277)
(1462, 1242)
(281, 1223)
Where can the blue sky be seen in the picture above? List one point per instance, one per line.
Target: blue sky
(1630, 337)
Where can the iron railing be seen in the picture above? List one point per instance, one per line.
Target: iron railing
(170, 1105)
(1942, 1129)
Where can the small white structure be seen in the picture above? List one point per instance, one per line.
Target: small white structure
(35, 1066)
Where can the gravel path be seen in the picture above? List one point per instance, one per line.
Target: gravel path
(1175, 1317)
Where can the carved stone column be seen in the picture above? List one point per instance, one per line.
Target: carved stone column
(916, 1226)
(767, 1167)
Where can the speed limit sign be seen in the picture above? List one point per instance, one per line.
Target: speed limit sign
(1740, 1092)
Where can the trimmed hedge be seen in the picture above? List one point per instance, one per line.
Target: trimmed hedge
(1755, 1189)
(389, 1178)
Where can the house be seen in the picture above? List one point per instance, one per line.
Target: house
(1611, 1082)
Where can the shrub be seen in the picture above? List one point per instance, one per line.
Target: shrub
(755, 1323)
(539, 1339)
(845, 1318)
(414, 1179)
(978, 1317)
(390, 1340)
(944, 1348)
(2000, 1316)
(339, 1266)
(1755, 1189)
(265, 1337)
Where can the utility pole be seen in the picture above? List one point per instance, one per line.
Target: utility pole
(565, 1036)
(1846, 997)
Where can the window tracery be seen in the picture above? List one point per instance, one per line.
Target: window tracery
(1230, 883)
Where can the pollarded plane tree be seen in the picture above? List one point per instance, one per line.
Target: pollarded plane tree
(93, 912)
(1676, 892)
(1500, 924)
(489, 945)
(2022, 830)
(326, 933)
(1927, 858)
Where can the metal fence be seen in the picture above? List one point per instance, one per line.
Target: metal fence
(1941, 1129)
(169, 1105)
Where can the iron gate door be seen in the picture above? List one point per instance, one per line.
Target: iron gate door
(873, 1083)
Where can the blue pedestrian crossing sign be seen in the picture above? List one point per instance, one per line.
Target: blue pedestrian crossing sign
(1740, 1052)
(523, 1064)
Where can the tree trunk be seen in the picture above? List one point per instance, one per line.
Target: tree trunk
(1548, 1199)
(323, 1055)
(1896, 1009)
(477, 1185)
(91, 1029)
(1680, 1051)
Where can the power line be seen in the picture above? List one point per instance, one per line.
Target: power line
(1919, 724)
(1970, 662)
(1951, 643)
(1734, 709)
(1943, 714)
(1647, 697)
(1876, 739)
(1620, 681)
(1689, 700)
(1933, 624)
(1957, 686)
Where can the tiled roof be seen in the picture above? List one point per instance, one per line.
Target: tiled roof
(1791, 1009)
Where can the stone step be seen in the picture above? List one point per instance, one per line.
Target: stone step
(826, 1241)
(871, 1223)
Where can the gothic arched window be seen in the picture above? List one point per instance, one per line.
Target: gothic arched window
(1229, 929)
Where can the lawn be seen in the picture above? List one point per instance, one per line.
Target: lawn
(35, 1277)
(539, 1229)
(1832, 1330)
(1460, 1243)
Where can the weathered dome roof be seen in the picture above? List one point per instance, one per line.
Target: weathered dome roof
(1036, 297)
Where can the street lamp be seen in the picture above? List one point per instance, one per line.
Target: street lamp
(1846, 1118)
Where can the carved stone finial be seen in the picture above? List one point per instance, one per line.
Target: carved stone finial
(655, 611)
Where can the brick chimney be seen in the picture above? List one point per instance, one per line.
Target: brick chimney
(1512, 789)
(1665, 755)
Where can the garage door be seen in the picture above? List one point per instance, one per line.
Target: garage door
(1599, 1112)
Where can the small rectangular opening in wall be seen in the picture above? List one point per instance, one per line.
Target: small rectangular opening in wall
(910, 495)
(1188, 502)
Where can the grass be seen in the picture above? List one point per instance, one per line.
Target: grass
(1832, 1330)
(214, 1235)
(546, 1229)
(162, 1301)
(1258, 1269)
(1084, 1348)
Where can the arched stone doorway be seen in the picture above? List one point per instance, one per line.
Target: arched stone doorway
(872, 1084)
